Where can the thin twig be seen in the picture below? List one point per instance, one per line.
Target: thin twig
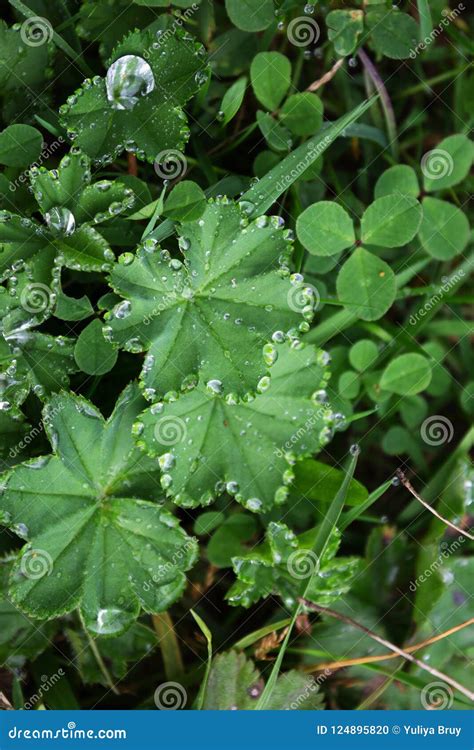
(387, 106)
(326, 77)
(333, 665)
(349, 621)
(101, 664)
(406, 483)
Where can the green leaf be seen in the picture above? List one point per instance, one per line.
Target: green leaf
(363, 354)
(20, 639)
(120, 652)
(391, 221)
(277, 136)
(206, 522)
(94, 543)
(366, 284)
(325, 228)
(93, 354)
(235, 684)
(394, 34)
(302, 113)
(233, 98)
(280, 178)
(20, 145)
(250, 15)
(228, 540)
(444, 231)
(397, 179)
(320, 482)
(212, 317)
(282, 566)
(186, 202)
(72, 308)
(32, 361)
(199, 436)
(151, 122)
(270, 75)
(406, 375)
(344, 29)
(448, 164)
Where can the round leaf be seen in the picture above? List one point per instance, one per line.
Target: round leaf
(444, 231)
(325, 228)
(366, 284)
(391, 221)
(20, 145)
(302, 113)
(406, 375)
(397, 179)
(270, 74)
(93, 354)
(250, 15)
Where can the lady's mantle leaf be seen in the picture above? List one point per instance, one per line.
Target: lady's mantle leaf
(138, 106)
(283, 565)
(92, 543)
(209, 444)
(235, 684)
(214, 317)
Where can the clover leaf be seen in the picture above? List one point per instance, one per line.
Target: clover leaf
(214, 315)
(208, 443)
(139, 105)
(285, 563)
(96, 539)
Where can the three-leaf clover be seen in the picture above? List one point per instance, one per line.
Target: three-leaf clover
(208, 443)
(365, 282)
(97, 540)
(214, 316)
(444, 230)
(285, 563)
(138, 106)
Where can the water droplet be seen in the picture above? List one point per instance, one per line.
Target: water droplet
(127, 79)
(61, 220)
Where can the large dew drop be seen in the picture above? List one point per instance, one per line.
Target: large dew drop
(61, 221)
(127, 79)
